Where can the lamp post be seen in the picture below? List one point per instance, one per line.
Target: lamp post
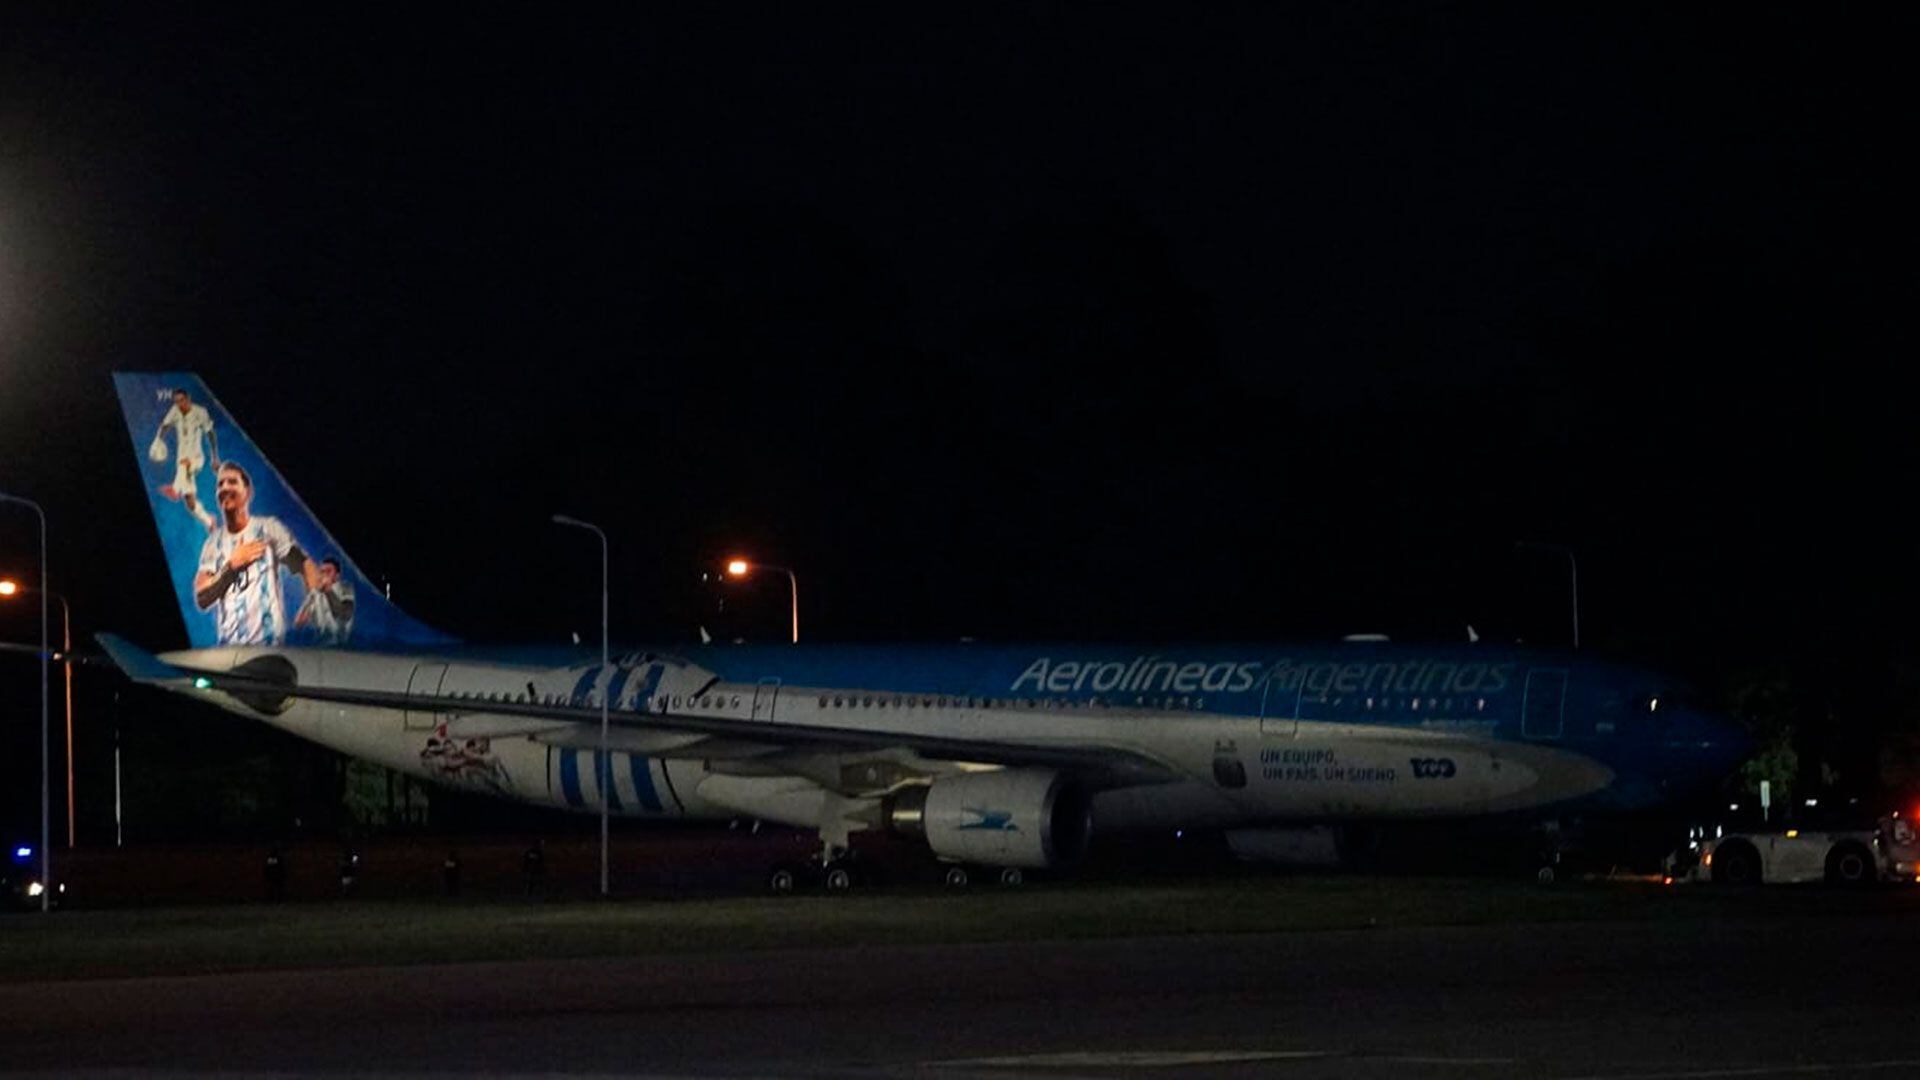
(46, 857)
(740, 568)
(1573, 573)
(13, 588)
(602, 763)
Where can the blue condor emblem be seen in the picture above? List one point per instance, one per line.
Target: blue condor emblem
(995, 820)
(1437, 768)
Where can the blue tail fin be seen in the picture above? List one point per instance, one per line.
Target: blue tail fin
(250, 563)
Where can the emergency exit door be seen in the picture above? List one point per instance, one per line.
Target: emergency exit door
(1279, 709)
(1542, 712)
(425, 682)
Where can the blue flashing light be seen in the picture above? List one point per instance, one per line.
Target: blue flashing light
(23, 852)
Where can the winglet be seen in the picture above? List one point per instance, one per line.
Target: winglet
(138, 664)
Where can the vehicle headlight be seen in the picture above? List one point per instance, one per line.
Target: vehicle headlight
(34, 888)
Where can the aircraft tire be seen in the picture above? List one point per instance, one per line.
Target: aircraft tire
(1012, 877)
(1545, 875)
(956, 878)
(783, 880)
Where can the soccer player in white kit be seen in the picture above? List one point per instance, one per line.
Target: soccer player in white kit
(240, 564)
(190, 424)
(328, 609)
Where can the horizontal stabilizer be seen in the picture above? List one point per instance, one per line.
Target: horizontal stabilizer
(138, 664)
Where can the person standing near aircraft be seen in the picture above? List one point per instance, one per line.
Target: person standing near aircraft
(240, 564)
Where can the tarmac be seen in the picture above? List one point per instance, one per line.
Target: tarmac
(1755, 995)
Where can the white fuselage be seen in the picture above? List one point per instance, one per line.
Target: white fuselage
(1232, 769)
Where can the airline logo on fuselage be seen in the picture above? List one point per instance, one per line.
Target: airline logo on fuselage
(1152, 674)
(1143, 673)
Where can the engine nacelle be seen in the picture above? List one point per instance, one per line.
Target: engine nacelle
(1031, 818)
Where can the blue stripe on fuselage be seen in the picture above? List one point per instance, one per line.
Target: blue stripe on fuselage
(603, 776)
(570, 777)
(642, 769)
(647, 687)
(581, 687)
(620, 678)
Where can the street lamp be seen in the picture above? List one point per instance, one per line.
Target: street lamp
(10, 588)
(602, 762)
(1573, 572)
(46, 857)
(741, 568)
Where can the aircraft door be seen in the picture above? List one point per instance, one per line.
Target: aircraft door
(1279, 710)
(425, 681)
(766, 693)
(1542, 711)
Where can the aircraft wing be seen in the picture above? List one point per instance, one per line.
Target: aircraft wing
(1111, 765)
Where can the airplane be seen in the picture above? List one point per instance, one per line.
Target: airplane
(1000, 758)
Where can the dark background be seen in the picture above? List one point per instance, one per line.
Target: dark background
(1029, 321)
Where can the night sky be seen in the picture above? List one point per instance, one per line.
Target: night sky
(1033, 321)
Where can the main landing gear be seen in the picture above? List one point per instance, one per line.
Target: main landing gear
(834, 870)
(958, 877)
(842, 874)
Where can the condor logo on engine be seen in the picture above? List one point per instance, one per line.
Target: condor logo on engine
(1432, 768)
(994, 820)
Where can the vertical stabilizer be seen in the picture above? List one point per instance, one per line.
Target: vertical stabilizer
(249, 563)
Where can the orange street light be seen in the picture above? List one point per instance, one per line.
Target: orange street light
(10, 588)
(46, 856)
(741, 568)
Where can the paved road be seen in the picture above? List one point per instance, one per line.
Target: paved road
(1755, 997)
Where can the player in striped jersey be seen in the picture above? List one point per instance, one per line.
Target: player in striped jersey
(240, 565)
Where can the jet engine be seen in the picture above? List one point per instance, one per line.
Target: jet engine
(1032, 818)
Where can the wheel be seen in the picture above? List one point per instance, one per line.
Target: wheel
(838, 879)
(1850, 864)
(1545, 875)
(1012, 877)
(783, 881)
(956, 877)
(1736, 864)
